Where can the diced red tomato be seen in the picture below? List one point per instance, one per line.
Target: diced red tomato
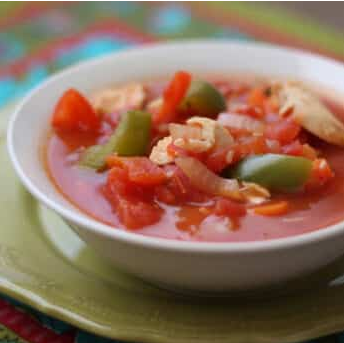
(271, 105)
(309, 152)
(274, 147)
(136, 214)
(257, 98)
(73, 112)
(178, 188)
(217, 160)
(297, 149)
(322, 169)
(250, 145)
(118, 182)
(249, 110)
(226, 207)
(294, 148)
(173, 95)
(141, 170)
(134, 206)
(285, 131)
(321, 173)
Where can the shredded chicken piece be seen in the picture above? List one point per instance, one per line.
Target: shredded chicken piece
(253, 193)
(198, 135)
(117, 99)
(309, 112)
(159, 154)
(208, 127)
(185, 131)
(191, 144)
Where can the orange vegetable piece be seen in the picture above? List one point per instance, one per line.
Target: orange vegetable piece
(272, 209)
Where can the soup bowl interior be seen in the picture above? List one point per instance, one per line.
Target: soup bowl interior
(181, 265)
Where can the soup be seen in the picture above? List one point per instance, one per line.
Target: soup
(212, 159)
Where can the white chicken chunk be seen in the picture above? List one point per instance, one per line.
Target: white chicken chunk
(159, 154)
(310, 112)
(198, 135)
(211, 134)
(110, 100)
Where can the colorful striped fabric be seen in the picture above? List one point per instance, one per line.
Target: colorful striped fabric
(40, 38)
(37, 39)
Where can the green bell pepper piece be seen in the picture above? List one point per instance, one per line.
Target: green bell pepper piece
(273, 171)
(203, 99)
(130, 138)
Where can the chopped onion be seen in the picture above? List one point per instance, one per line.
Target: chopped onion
(241, 121)
(206, 181)
(223, 139)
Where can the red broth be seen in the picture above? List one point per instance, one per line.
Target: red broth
(309, 211)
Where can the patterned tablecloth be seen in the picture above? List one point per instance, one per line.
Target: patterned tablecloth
(39, 38)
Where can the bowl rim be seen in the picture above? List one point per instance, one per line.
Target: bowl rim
(88, 223)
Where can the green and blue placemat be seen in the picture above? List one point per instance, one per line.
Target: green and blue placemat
(40, 38)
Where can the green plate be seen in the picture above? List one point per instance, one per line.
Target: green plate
(44, 264)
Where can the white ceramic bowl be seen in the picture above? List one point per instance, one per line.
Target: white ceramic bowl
(182, 265)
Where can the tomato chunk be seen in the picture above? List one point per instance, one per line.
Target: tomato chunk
(294, 148)
(134, 205)
(118, 182)
(250, 145)
(136, 214)
(178, 188)
(218, 160)
(321, 173)
(257, 98)
(285, 131)
(226, 207)
(141, 170)
(252, 111)
(73, 112)
(309, 152)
